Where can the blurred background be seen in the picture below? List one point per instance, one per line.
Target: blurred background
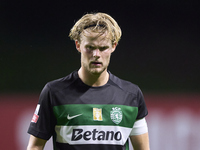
(159, 51)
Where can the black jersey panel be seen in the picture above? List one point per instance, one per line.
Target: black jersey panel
(61, 146)
(142, 109)
(45, 124)
(71, 90)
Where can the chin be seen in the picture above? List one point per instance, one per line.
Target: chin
(97, 71)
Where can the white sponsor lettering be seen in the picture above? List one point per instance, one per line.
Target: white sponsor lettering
(92, 134)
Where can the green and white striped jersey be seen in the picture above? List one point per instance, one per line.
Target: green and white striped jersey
(79, 116)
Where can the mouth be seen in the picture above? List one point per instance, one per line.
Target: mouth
(96, 63)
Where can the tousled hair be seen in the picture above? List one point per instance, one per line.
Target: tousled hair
(96, 22)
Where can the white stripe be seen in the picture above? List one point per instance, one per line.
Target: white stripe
(37, 109)
(139, 127)
(92, 134)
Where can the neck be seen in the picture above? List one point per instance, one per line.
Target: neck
(93, 79)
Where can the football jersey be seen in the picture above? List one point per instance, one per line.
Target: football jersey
(80, 117)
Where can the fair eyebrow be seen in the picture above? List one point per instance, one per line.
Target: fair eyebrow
(103, 47)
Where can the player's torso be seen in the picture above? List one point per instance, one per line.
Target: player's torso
(88, 116)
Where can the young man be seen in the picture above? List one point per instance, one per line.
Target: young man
(91, 108)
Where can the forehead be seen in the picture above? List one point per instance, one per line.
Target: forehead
(97, 37)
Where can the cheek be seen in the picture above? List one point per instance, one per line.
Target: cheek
(85, 56)
(107, 58)
(107, 54)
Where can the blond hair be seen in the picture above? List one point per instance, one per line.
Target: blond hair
(97, 22)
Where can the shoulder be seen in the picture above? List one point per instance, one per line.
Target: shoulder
(124, 84)
(62, 83)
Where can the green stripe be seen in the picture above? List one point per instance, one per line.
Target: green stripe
(61, 112)
(127, 144)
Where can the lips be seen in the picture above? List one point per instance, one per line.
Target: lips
(96, 63)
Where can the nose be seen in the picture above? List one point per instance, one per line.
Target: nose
(96, 53)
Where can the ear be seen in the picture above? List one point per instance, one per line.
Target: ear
(77, 45)
(114, 46)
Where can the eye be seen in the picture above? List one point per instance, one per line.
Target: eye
(103, 48)
(90, 47)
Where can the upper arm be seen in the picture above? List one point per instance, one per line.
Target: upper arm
(36, 143)
(139, 135)
(140, 142)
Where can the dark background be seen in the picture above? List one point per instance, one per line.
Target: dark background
(159, 49)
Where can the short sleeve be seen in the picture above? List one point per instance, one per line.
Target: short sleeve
(43, 121)
(142, 109)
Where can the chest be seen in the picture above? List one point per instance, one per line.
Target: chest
(95, 114)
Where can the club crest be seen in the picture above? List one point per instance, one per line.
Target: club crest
(116, 115)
